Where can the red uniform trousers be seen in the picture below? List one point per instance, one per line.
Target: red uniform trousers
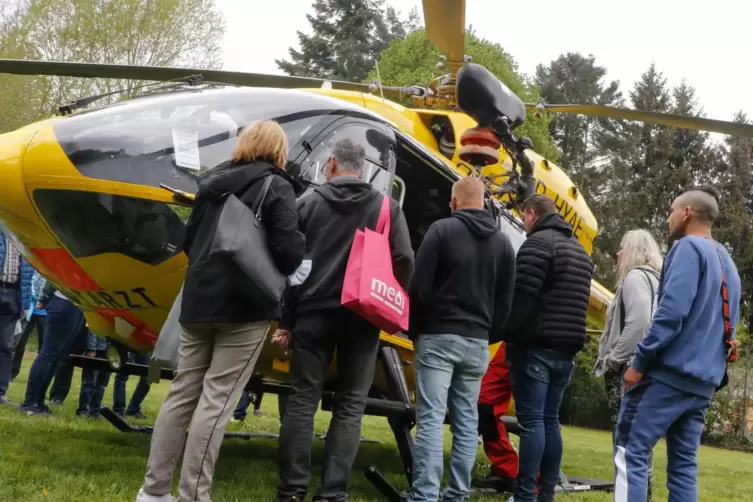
(493, 402)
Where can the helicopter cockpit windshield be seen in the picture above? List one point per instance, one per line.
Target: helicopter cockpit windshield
(173, 139)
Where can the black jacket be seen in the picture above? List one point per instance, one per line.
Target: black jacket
(552, 287)
(464, 277)
(329, 216)
(209, 293)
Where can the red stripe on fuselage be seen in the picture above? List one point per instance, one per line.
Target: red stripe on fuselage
(73, 277)
(66, 269)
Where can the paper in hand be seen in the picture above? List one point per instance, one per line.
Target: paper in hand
(300, 275)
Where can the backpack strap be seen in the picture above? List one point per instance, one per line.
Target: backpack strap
(730, 345)
(622, 302)
(650, 285)
(725, 300)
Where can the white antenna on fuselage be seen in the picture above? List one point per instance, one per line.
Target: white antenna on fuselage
(379, 79)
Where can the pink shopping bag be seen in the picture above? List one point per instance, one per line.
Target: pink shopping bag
(370, 288)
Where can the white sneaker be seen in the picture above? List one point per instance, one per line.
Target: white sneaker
(145, 497)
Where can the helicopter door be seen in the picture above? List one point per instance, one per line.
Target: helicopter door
(377, 140)
(398, 190)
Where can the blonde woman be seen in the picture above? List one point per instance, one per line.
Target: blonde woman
(221, 334)
(639, 263)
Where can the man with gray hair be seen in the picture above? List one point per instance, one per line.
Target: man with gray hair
(314, 324)
(682, 359)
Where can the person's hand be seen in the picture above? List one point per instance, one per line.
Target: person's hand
(26, 312)
(632, 377)
(282, 338)
(91, 353)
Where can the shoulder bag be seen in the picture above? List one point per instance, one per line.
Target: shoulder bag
(370, 288)
(241, 239)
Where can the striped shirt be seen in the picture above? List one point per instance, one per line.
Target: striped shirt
(12, 267)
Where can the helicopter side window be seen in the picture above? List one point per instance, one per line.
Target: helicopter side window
(92, 223)
(379, 155)
(516, 234)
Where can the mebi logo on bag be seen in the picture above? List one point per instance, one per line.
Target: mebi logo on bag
(388, 295)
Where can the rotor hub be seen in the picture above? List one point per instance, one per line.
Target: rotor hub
(479, 146)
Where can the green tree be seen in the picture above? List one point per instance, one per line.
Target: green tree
(733, 175)
(647, 165)
(184, 33)
(412, 61)
(346, 35)
(21, 96)
(574, 78)
(634, 189)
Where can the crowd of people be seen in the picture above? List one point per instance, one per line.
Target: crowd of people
(663, 353)
(28, 303)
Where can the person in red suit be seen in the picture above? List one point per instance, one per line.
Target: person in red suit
(493, 402)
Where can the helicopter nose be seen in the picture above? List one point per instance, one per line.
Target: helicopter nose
(16, 211)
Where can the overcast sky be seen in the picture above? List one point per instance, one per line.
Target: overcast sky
(708, 43)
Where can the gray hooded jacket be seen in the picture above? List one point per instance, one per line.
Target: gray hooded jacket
(617, 346)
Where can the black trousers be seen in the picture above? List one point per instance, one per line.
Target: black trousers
(61, 386)
(40, 321)
(316, 337)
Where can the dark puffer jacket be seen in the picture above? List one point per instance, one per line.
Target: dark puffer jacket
(552, 287)
(209, 292)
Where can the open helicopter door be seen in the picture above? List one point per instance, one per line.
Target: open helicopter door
(377, 140)
(398, 189)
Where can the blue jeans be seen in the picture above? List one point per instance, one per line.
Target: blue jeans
(449, 369)
(539, 378)
(10, 312)
(651, 410)
(65, 322)
(243, 403)
(241, 411)
(139, 393)
(93, 385)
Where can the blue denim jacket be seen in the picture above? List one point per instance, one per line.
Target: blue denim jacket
(95, 343)
(24, 292)
(37, 285)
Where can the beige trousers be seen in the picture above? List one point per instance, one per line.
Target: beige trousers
(214, 363)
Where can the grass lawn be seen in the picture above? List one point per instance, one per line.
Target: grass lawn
(65, 458)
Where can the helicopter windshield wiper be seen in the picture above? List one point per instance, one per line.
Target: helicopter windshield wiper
(68, 108)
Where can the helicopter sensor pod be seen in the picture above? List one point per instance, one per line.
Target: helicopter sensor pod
(482, 96)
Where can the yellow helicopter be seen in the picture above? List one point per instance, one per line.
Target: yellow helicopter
(96, 199)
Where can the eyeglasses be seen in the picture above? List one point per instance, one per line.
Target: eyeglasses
(324, 166)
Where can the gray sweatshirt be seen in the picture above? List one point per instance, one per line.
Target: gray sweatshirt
(616, 347)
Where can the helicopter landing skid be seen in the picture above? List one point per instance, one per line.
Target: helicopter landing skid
(403, 421)
(123, 426)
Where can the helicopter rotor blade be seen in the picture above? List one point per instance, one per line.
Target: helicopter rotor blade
(666, 119)
(445, 26)
(157, 73)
